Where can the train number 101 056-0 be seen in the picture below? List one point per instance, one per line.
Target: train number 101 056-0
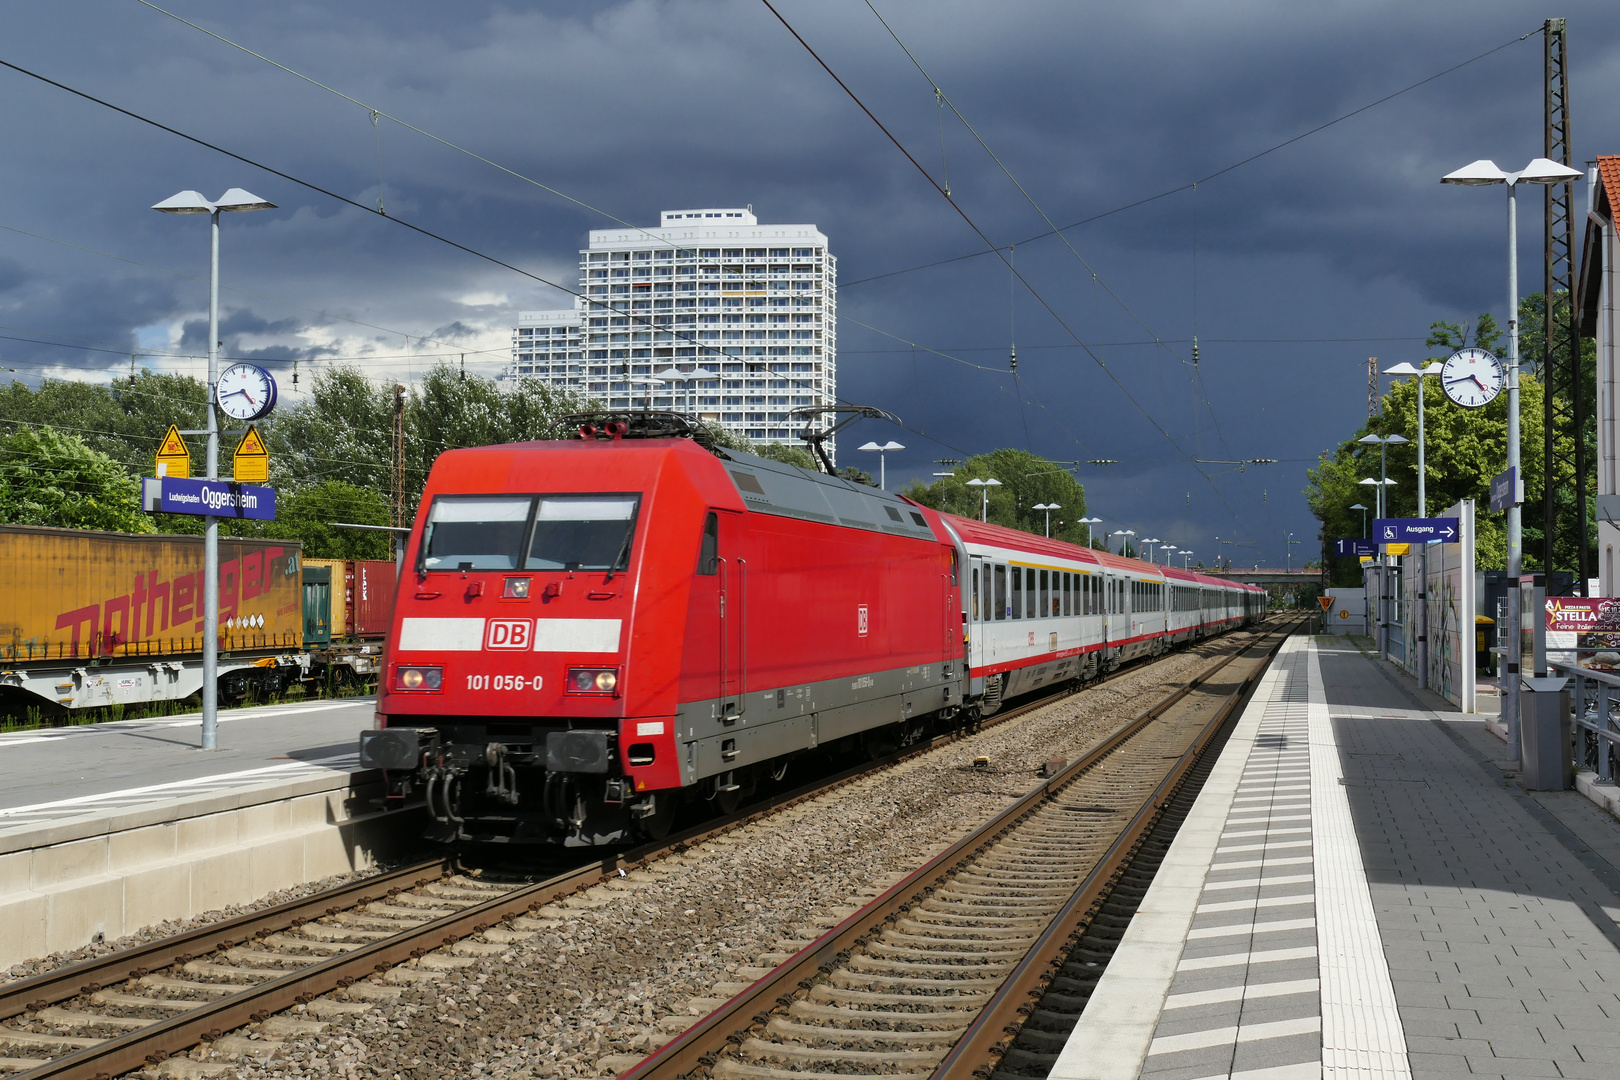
(502, 682)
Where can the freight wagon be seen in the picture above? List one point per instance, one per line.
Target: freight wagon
(94, 619)
(347, 606)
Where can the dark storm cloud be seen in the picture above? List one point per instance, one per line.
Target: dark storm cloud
(640, 106)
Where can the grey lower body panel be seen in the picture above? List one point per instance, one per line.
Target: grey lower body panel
(784, 720)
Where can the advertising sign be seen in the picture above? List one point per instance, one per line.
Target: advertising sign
(1584, 630)
(1415, 530)
(209, 498)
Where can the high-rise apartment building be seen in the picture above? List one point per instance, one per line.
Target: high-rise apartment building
(710, 313)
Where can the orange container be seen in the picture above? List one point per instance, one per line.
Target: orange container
(69, 593)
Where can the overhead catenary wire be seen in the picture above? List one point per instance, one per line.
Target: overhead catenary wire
(1133, 204)
(997, 252)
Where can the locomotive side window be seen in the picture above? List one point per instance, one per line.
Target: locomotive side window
(583, 532)
(1018, 592)
(475, 532)
(1000, 605)
(709, 553)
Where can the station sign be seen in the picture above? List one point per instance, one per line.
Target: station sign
(1357, 547)
(1507, 489)
(208, 498)
(1415, 530)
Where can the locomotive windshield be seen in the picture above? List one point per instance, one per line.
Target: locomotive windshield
(548, 532)
(582, 532)
(475, 533)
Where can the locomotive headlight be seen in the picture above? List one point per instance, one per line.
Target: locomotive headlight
(516, 588)
(418, 677)
(593, 680)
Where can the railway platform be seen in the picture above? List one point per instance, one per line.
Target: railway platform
(108, 828)
(1362, 890)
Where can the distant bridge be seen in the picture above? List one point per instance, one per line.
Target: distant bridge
(1267, 575)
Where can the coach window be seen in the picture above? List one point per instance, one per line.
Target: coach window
(1068, 584)
(998, 607)
(1029, 593)
(1018, 592)
(709, 552)
(975, 594)
(1046, 593)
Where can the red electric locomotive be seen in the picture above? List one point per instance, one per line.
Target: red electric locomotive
(589, 631)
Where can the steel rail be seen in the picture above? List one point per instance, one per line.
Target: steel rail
(210, 1020)
(700, 1044)
(992, 1032)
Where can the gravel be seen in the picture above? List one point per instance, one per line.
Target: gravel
(615, 971)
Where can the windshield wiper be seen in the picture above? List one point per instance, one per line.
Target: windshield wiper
(624, 552)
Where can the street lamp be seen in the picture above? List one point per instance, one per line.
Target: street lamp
(984, 487)
(1363, 509)
(1150, 541)
(1383, 442)
(1480, 173)
(1289, 547)
(649, 382)
(1123, 543)
(1186, 557)
(1088, 522)
(1048, 507)
(883, 454)
(234, 201)
(1418, 373)
(1378, 500)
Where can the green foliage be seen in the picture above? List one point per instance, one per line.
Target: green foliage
(308, 513)
(51, 478)
(1025, 481)
(123, 421)
(789, 455)
(1464, 448)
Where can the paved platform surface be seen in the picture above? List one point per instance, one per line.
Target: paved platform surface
(57, 773)
(1362, 891)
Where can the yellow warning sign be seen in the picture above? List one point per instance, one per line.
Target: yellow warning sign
(251, 463)
(173, 459)
(1325, 601)
(1397, 549)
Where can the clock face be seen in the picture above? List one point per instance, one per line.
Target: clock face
(245, 392)
(1472, 378)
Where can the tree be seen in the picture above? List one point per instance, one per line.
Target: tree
(1025, 481)
(788, 455)
(51, 478)
(307, 515)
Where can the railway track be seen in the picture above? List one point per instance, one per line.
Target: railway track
(115, 1014)
(935, 976)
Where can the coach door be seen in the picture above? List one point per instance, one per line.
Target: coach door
(979, 606)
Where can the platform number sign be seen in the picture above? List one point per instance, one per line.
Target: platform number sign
(862, 622)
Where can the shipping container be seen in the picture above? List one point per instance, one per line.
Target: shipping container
(98, 618)
(371, 585)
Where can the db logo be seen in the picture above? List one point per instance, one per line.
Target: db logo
(508, 634)
(861, 621)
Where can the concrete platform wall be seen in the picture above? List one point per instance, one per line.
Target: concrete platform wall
(64, 885)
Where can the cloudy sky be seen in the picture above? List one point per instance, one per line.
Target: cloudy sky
(1290, 269)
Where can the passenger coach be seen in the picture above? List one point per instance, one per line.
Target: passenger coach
(588, 632)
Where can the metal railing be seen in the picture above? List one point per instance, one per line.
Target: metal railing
(1595, 699)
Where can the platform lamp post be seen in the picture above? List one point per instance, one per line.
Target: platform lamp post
(882, 450)
(1363, 509)
(1378, 496)
(1289, 547)
(1169, 552)
(1123, 542)
(1048, 507)
(1418, 373)
(984, 487)
(1383, 442)
(234, 201)
(1186, 558)
(1150, 541)
(1088, 522)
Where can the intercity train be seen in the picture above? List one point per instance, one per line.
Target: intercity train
(589, 632)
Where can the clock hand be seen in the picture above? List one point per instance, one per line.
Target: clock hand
(1481, 385)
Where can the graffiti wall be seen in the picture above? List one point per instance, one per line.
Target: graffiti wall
(1438, 628)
